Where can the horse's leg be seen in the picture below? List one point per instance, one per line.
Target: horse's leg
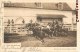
(49, 34)
(41, 39)
(56, 33)
(52, 33)
(66, 32)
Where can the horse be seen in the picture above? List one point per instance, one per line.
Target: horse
(47, 31)
(38, 33)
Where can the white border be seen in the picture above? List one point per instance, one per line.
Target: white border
(43, 49)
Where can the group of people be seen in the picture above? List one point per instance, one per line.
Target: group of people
(54, 27)
(51, 29)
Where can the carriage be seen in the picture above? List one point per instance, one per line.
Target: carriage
(50, 30)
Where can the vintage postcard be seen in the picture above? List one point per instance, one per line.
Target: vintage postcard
(39, 26)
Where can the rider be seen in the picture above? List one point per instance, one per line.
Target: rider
(48, 26)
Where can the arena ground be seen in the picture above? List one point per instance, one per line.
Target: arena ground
(30, 41)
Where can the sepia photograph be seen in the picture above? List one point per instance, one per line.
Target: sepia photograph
(40, 24)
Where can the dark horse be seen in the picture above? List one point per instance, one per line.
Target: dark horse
(47, 31)
(38, 33)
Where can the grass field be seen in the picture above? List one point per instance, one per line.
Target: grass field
(30, 41)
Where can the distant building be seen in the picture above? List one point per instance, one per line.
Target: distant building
(40, 12)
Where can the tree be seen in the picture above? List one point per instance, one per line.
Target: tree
(23, 21)
(8, 21)
(12, 21)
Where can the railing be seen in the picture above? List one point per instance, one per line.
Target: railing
(15, 29)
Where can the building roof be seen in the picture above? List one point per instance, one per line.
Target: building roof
(50, 6)
(50, 16)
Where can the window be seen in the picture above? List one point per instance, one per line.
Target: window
(39, 18)
(38, 4)
(60, 6)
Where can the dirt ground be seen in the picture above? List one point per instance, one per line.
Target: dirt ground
(30, 41)
(68, 41)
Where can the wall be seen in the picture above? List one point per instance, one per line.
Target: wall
(28, 13)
